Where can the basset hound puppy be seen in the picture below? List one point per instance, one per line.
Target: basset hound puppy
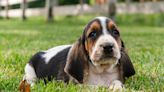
(98, 57)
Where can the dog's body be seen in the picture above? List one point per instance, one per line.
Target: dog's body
(97, 58)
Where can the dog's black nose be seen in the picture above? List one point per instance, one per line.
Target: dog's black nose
(108, 48)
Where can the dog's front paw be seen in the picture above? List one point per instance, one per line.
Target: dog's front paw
(116, 86)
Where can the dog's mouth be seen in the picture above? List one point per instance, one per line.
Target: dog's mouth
(107, 56)
(105, 60)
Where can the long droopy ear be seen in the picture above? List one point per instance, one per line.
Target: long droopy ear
(125, 61)
(76, 62)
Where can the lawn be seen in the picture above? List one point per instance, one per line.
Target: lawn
(20, 40)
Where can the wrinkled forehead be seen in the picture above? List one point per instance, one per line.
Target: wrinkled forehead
(101, 24)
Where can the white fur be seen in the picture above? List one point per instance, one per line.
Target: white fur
(103, 24)
(116, 86)
(101, 77)
(30, 75)
(53, 51)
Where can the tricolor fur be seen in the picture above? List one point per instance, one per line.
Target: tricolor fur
(98, 57)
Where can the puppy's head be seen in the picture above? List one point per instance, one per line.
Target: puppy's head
(102, 41)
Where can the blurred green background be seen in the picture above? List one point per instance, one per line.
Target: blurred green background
(35, 25)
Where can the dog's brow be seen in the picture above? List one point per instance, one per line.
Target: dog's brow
(93, 25)
(110, 25)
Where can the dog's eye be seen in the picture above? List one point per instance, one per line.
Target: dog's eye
(115, 32)
(93, 35)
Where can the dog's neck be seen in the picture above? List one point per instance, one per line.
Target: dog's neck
(101, 75)
(104, 68)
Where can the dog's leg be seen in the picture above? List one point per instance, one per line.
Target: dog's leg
(28, 79)
(116, 86)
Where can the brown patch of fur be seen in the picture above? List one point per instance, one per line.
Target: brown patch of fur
(95, 25)
(89, 43)
(111, 24)
(24, 86)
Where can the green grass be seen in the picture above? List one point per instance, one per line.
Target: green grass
(20, 40)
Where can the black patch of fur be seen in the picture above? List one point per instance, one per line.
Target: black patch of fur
(128, 69)
(77, 61)
(76, 69)
(125, 61)
(54, 69)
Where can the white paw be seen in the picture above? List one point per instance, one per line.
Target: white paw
(116, 86)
